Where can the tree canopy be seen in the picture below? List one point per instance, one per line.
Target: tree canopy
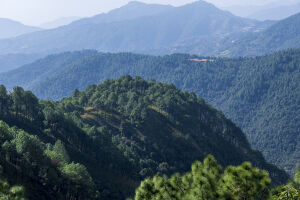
(206, 181)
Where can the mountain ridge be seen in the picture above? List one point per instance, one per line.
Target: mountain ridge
(195, 28)
(59, 22)
(168, 27)
(11, 28)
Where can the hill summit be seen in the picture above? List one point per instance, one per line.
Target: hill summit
(113, 135)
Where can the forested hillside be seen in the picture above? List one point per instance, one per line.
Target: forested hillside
(42, 69)
(235, 182)
(103, 141)
(260, 94)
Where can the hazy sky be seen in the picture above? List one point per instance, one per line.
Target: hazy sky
(36, 12)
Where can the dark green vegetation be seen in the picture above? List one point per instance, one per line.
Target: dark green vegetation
(100, 143)
(139, 27)
(291, 191)
(11, 193)
(206, 181)
(260, 94)
(42, 169)
(10, 28)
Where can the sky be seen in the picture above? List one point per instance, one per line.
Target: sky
(36, 12)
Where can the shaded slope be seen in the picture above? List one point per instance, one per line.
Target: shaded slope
(159, 127)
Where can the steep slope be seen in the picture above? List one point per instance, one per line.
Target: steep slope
(118, 133)
(42, 169)
(281, 35)
(141, 31)
(10, 28)
(260, 94)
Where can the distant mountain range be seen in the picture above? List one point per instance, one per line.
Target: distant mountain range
(12, 61)
(197, 28)
(59, 22)
(284, 34)
(10, 28)
(260, 94)
(131, 11)
(274, 11)
(139, 27)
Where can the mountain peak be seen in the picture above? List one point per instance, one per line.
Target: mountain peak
(201, 3)
(136, 3)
